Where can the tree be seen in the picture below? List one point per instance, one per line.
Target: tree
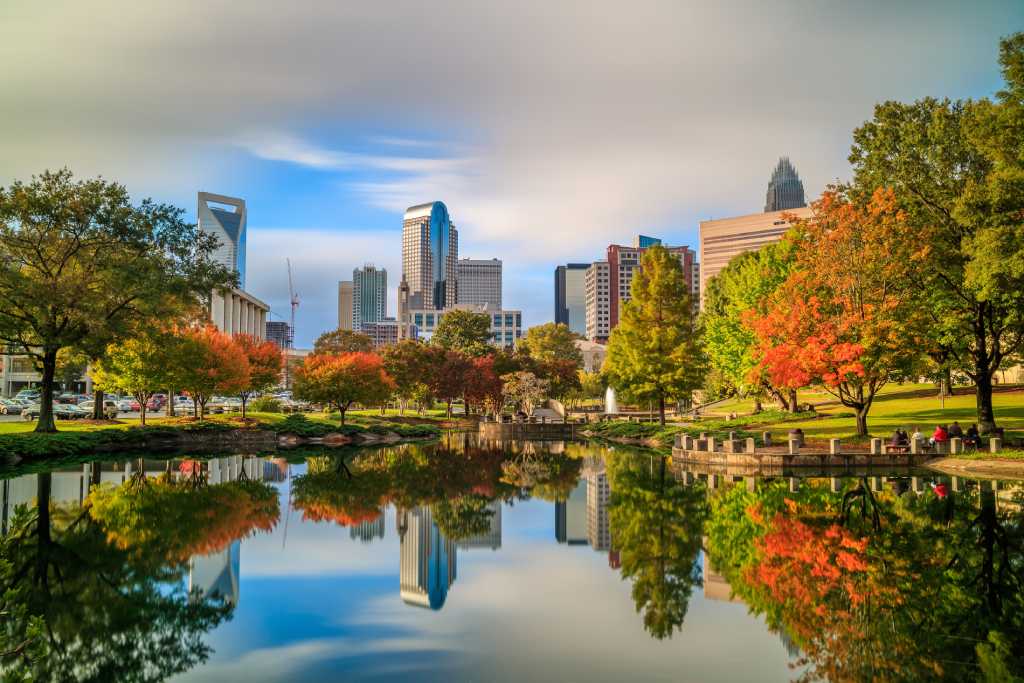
(339, 380)
(219, 366)
(956, 168)
(464, 331)
(140, 366)
(483, 385)
(342, 341)
(846, 317)
(80, 260)
(447, 376)
(524, 389)
(551, 342)
(265, 363)
(744, 285)
(653, 353)
(407, 364)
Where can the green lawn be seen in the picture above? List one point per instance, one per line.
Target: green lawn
(898, 406)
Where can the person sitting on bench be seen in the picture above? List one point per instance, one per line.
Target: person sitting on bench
(972, 437)
(955, 430)
(898, 443)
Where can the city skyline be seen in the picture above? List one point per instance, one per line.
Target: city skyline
(327, 157)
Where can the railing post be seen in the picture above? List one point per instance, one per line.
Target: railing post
(876, 446)
(833, 447)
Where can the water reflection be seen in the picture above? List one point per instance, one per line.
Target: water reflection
(134, 567)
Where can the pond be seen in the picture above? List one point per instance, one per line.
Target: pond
(459, 560)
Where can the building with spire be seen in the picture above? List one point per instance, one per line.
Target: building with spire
(785, 189)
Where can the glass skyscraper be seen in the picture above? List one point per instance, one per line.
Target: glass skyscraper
(430, 255)
(785, 190)
(571, 296)
(229, 228)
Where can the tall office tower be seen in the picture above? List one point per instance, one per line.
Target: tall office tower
(345, 305)
(623, 263)
(278, 332)
(479, 282)
(571, 516)
(571, 296)
(723, 239)
(597, 316)
(426, 559)
(598, 496)
(369, 295)
(785, 191)
(430, 254)
(228, 226)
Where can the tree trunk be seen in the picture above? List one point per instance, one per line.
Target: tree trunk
(142, 413)
(757, 405)
(862, 420)
(46, 424)
(794, 406)
(170, 403)
(986, 414)
(245, 399)
(342, 410)
(98, 413)
(661, 410)
(43, 486)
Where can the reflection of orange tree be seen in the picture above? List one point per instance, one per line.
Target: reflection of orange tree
(183, 520)
(903, 600)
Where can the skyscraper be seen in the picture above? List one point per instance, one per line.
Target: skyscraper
(479, 282)
(623, 262)
(279, 333)
(369, 295)
(596, 285)
(430, 254)
(426, 559)
(228, 227)
(345, 296)
(785, 191)
(571, 296)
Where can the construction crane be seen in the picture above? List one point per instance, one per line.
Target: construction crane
(294, 299)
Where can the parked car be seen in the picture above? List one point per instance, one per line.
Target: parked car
(156, 402)
(110, 409)
(28, 395)
(61, 411)
(8, 406)
(134, 406)
(124, 404)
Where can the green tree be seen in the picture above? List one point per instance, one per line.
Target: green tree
(653, 353)
(738, 291)
(408, 364)
(342, 341)
(958, 170)
(464, 331)
(656, 524)
(142, 366)
(551, 342)
(78, 259)
(524, 389)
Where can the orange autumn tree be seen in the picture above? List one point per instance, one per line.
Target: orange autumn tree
(218, 366)
(846, 318)
(339, 380)
(265, 362)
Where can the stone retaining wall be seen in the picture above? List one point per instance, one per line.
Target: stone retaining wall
(499, 431)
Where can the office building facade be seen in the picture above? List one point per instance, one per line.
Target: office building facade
(346, 304)
(506, 325)
(430, 254)
(785, 189)
(723, 239)
(385, 332)
(478, 282)
(229, 226)
(279, 332)
(623, 263)
(238, 312)
(369, 296)
(571, 296)
(597, 312)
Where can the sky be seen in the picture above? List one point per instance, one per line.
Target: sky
(549, 129)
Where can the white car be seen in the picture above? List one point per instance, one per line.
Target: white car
(124, 405)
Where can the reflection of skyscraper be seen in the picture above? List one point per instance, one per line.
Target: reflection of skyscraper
(598, 495)
(367, 531)
(491, 539)
(427, 560)
(571, 516)
(715, 586)
(216, 574)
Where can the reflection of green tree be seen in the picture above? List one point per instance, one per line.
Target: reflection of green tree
(79, 608)
(463, 517)
(656, 525)
(933, 590)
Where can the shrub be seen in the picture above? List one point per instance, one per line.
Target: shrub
(265, 404)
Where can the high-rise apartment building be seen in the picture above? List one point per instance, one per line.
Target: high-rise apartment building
(623, 263)
(597, 314)
(345, 304)
(430, 254)
(225, 218)
(279, 332)
(571, 296)
(369, 295)
(785, 190)
(725, 238)
(479, 282)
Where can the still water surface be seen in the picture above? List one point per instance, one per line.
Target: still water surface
(456, 561)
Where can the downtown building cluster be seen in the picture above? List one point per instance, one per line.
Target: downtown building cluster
(434, 281)
(589, 296)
